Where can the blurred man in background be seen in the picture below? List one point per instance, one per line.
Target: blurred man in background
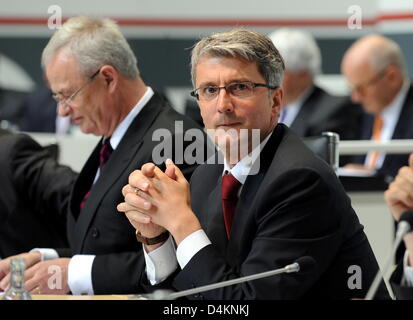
(375, 69)
(308, 109)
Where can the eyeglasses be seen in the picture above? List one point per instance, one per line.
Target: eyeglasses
(373, 80)
(66, 101)
(236, 89)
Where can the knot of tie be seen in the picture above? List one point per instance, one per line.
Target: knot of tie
(230, 187)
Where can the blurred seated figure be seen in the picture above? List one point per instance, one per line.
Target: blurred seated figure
(192, 111)
(399, 199)
(307, 109)
(375, 69)
(33, 197)
(40, 113)
(11, 107)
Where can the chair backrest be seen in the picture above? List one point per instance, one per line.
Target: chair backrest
(325, 146)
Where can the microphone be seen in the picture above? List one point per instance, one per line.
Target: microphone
(303, 264)
(404, 226)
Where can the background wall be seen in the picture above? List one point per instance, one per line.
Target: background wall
(161, 32)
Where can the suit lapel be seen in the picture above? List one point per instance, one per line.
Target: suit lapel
(401, 129)
(115, 167)
(302, 121)
(214, 218)
(243, 224)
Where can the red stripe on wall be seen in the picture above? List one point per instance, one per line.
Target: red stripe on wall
(218, 22)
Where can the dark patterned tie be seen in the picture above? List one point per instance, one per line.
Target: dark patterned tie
(105, 152)
(230, 187)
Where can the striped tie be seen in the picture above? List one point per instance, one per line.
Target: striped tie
(105, 152)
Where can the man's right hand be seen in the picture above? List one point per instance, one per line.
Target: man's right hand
(399, 195)
(139, 220)
(30, 259)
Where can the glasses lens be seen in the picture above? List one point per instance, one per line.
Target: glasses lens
(241, 90)
(208, 93)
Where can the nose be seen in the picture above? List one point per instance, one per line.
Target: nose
(224, 101)
(63, 109)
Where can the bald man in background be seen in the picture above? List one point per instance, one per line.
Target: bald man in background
(375, 69)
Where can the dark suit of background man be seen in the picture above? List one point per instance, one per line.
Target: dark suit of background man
(289, 202)
(306, 108)
(94, 77)
(34, 196)
(375, 70)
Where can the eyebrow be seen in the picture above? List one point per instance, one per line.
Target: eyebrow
(213, 84)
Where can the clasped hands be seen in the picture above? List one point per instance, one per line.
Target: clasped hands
(156, 201)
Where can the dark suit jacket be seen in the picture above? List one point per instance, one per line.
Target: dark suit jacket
(11, 105)
(324, 112)
(403, 130)
(33, 198)
(401, 292)
(293, 207)
(39, 112)
(99, 228)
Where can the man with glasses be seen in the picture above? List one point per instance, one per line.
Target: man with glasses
(375, 69)
(93, 75)
(265, 207)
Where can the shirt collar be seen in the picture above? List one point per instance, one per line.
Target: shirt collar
(395, 106)
(125, 123)
(243, 168)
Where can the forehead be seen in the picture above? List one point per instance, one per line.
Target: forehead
(62, 72)
(226, 69)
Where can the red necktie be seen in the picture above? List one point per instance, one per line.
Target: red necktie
(105, 152)
(230, 187)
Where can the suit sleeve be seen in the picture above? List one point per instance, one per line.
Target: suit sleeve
(38, 175)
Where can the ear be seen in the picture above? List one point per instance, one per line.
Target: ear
(276, 100)
(111, 77)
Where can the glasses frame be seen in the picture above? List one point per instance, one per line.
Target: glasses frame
(66, 101)
(373, 80)
(194, 93)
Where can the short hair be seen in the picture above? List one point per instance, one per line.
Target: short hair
(94, 42)
(388, 53)
(299, 50)
(245, 44)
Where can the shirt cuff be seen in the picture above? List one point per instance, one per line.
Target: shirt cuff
(190, 246)
(46, 253)
(161, 262)
(80, 274)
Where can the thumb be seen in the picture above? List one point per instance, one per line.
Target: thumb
(178, 173)
(170, 169)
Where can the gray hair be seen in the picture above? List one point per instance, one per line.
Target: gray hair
(241, 43)
(299, 50)
(94, 42)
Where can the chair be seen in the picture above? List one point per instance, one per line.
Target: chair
(325, 146)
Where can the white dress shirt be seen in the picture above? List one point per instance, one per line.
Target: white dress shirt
(80, 265)
(162, 262)
(390, 116)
